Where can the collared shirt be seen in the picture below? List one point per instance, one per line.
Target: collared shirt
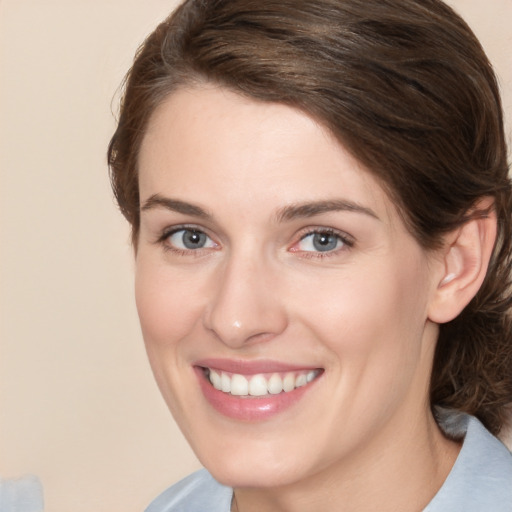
(480, 480)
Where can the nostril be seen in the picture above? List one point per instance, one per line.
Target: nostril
(241, 310)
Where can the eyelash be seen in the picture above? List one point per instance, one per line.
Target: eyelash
(344, 238)
(163, 240)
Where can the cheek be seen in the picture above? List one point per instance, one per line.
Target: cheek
(168, 312)
(168, 306)
(372, 320)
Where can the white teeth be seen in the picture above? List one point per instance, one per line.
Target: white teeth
(275, 384)
(301, 381)
(239, 385)
(225, 383)
(259, 385)
(215, 379)
(289, 382)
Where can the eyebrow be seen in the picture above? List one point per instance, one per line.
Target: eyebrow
(287, 213)
(175, 205)
(310, 209)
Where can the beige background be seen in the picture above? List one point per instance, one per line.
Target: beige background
(78, 404)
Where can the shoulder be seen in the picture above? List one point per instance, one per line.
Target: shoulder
(195, 493)
(481, 478)
(21, 494)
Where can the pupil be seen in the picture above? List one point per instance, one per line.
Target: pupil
(324, 242)
(193, 239)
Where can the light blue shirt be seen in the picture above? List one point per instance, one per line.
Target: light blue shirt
(21, 495)
(480, 480)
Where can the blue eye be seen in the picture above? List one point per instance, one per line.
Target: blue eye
(320, 242)
(190, 239)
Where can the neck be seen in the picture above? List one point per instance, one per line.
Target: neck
(398, 470)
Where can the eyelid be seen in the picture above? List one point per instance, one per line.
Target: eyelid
(171, 230)
(347, 240)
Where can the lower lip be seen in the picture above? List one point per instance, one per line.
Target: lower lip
(249, 408)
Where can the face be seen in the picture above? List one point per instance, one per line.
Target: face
(283, 303)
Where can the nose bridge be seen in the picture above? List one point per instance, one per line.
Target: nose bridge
(244, 306)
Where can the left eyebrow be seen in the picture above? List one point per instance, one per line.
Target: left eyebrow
(311, 209)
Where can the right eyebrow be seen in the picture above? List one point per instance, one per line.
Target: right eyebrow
(175, 205)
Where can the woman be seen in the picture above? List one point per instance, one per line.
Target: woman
(321, 218)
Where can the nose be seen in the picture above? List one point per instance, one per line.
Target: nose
(245, 306)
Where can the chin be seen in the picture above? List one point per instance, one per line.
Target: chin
(257, 462)
(247, 473)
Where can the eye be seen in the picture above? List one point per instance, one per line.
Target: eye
(322, 242)
(189, 240)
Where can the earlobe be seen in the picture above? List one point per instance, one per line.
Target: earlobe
(465, 260)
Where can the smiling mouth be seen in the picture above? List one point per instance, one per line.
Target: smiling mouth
(259, 385)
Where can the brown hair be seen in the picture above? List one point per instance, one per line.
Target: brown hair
(406, 87)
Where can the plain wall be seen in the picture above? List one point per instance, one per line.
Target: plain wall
(78, 405)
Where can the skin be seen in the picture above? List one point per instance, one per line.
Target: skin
(362, 437)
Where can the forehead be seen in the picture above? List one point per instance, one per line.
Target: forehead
(209, 141)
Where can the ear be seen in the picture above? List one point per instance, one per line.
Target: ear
(464, 262)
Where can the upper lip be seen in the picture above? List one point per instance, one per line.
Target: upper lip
(252, 367)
